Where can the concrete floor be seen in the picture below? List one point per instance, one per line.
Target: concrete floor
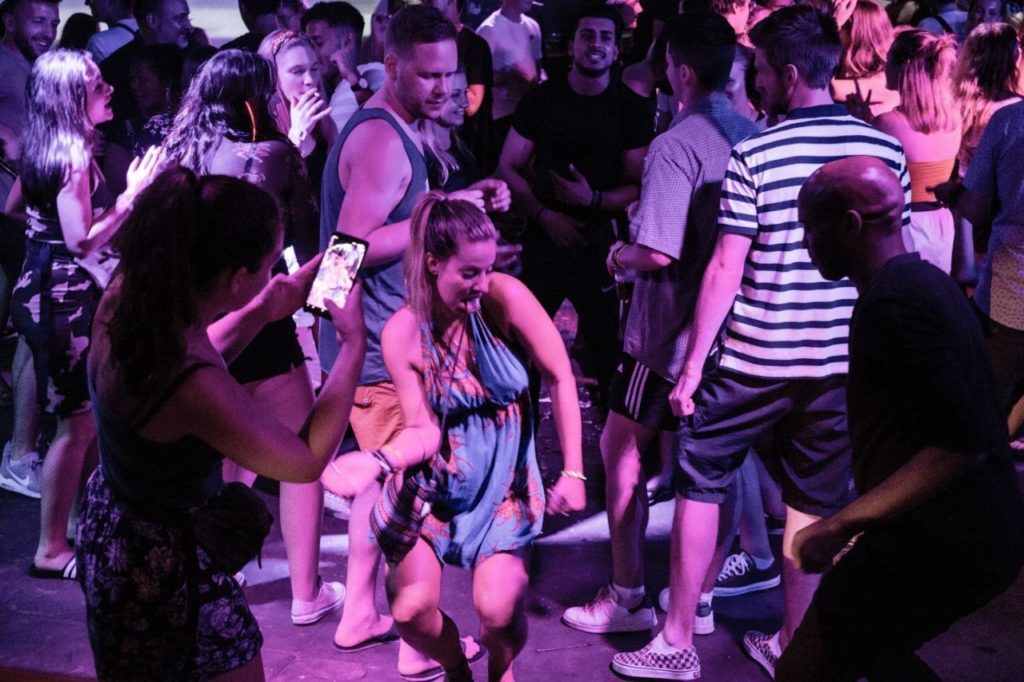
(43, 636)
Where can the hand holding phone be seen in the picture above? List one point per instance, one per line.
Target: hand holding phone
(337, 274)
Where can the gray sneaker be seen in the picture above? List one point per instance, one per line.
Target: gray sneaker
(20, 476)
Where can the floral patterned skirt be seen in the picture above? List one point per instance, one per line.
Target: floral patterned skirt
(156, 607)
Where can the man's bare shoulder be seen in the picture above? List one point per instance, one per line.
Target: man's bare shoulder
(375, 136)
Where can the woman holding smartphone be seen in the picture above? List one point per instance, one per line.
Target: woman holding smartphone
(71, 216)
(224, 128)
(167, 412)
(457, 354)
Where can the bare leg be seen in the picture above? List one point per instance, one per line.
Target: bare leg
(288, 398)
(26, 409)
(62, 471)
(622, 441)
(799, 586)
(694, 535)
(414, 590)
(360, 619)
(499, 593)
(666, 459)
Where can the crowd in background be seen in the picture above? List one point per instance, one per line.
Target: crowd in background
(729, 193)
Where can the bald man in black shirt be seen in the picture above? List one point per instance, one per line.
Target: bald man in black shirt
(939, 513)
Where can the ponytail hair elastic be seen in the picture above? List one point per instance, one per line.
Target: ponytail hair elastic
(252, 119)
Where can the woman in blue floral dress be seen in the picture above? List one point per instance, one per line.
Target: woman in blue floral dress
(457, 354)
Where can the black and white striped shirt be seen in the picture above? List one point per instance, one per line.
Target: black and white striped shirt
(787, 321)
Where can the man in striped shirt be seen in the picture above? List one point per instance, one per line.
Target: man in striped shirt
(783, 359)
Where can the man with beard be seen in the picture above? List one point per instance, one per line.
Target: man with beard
(781, 367)
(161, 22)
(30, 27)
(336, 29)
(573, 161)
(375, 173)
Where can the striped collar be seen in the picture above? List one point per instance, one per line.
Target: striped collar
(820, 111)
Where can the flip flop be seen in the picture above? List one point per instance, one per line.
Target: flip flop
(69, 572)
(389, 636)
(437, 672)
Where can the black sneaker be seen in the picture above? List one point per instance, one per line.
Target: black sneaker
(740, 575)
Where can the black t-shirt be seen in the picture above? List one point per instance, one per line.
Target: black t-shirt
(919, 377)
(589, 132)
(477, 131)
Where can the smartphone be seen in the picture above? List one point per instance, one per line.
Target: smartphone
(291, 262)
(337, 274)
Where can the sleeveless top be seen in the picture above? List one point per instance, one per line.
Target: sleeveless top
(925, 174)
(490, 496)
(383, 285)
(44, 224)
(159, 476)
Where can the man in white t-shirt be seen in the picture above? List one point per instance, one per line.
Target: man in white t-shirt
(515, 43)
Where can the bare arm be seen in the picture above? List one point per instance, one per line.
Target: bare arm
(475, 94)
(375, 173)
(636, 257)
(216, 409)
(533, 329)
(929, 472)
(575, 190)
(15, 206)
(516, 157)
(282, 296)
(82, 234)
(718, 290)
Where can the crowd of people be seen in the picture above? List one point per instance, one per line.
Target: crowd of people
(789, 232)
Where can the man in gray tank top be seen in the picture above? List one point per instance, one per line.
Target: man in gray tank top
(374, 174)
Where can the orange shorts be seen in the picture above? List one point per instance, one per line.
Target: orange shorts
(376, 415)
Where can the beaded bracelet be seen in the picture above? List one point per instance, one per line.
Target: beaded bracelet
(574, 474)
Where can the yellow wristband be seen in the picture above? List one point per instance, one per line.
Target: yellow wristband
(574, 474)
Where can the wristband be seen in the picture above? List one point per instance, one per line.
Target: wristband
(537, 215)
(385, 465)
(595, 199)
(617, 257)
(578, 475)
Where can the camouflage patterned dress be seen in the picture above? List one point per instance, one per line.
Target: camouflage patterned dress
(52, 306)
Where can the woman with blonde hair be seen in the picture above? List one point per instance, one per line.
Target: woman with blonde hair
(927, 123)
(986, 80)
(71, 219)
(299, 104)
(860, 79)
(457, 354)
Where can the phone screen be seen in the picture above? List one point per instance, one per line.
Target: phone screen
(337, 273)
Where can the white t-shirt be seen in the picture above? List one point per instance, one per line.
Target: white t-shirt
(515, 46)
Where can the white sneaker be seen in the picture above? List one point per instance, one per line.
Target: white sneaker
(337, 506)
(330, 598)
(703, 620)
(20, 476)
(605, 614)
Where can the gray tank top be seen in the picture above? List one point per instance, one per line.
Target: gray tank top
(383, 285)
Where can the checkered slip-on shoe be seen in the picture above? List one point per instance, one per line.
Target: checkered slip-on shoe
(759, 647)
(679, 664)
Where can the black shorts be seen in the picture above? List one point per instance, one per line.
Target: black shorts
(806, 420)
(641, 395)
